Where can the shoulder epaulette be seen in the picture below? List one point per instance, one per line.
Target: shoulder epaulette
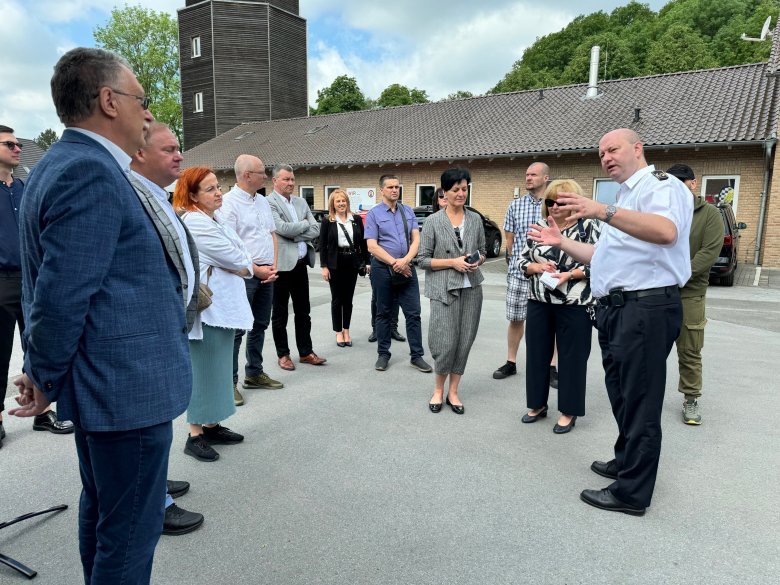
(660, 175)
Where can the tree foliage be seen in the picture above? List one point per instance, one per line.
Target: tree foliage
(634, 41)
(148, 40)
(46, 138)
(343, 95)
(400, 95)
(458, 95)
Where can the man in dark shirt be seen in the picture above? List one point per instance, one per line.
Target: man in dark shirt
(11, 190)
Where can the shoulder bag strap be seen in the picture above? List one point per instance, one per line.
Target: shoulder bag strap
(406, 225)
(346, 235)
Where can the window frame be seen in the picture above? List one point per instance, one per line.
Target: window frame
(606, 181)
(198, 102)
(195, 46)
(735, 178)
(302, 196)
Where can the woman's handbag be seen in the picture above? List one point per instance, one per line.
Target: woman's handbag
(357, 259)
(204, 292)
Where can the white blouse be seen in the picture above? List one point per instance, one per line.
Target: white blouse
(221, 248)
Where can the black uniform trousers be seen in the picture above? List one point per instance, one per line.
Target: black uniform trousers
(10, 317)
(635, 342)
(292, 284)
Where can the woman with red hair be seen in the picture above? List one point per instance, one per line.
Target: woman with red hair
(224, 262)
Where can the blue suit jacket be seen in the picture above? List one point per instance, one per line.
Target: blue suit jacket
(105, 334)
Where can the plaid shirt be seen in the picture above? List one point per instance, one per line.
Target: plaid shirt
(521, 214)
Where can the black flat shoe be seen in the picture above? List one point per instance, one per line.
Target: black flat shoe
(456, 408)
(562, 429)
(435, 406)
(532, 418)
(606, 500)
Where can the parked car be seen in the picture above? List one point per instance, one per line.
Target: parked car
(725, 266)
(492, 231)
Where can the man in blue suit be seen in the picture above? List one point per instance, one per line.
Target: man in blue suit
(106, 336)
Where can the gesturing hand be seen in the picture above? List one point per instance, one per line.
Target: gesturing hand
(548, 236)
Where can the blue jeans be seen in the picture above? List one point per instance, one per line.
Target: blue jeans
(387, 296)
(122, 505)
(261, 297)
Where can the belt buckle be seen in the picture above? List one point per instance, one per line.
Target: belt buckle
(616, 298)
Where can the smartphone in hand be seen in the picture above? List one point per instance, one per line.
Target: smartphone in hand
(473, 258)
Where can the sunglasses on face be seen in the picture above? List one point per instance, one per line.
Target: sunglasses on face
(442, 196)
(550, 202)
(457, 235)
(11, 144)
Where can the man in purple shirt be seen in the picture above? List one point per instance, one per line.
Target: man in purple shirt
(393, 238)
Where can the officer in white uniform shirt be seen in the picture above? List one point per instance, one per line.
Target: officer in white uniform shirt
(637, 267)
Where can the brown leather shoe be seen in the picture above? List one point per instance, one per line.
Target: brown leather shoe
(313, 359)
(286, 363)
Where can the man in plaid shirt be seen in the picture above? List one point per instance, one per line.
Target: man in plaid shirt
(522, 213)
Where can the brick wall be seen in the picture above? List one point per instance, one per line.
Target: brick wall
(494, 182)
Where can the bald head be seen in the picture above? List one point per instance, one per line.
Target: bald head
(622, 154)
(536, 178)
(250, 173)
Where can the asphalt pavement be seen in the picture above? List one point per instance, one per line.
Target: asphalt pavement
(345, 477)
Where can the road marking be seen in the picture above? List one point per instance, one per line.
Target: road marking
(757, 276)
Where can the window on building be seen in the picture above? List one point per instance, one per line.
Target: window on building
(195, 47)
(605, 190)
(328, 190)
(425, 193)
(400, 194)
(307, 193)
(721, 189)
(199, 101)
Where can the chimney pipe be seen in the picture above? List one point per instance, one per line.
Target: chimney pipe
(593, 80)
(637, 118)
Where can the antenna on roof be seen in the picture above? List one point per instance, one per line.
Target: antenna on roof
(764, 32)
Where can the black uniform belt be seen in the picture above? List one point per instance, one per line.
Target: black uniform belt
(618, 296)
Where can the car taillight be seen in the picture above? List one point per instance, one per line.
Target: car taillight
(728, 240)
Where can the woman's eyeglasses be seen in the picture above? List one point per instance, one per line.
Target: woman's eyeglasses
(551, 202)
(457, 235)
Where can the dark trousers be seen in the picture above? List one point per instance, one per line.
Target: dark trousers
(635, 341)
(292, 284)
(342, 290)
(10, 317)
(406, 296)
(393, 310)
(261, 298)
(571, 326)
(122, 504)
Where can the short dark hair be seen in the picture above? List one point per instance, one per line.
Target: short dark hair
(6, 129)
(452, 176)
(78, 77)
(384, 178)
(682, 172)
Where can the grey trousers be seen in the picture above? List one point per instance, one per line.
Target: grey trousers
(452, 329)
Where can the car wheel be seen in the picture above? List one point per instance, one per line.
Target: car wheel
(494, 246)
(728, 280)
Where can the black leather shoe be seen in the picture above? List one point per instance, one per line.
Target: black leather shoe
(563, 429)
(372, 337)
(177, 488)
(532, 418)
(606, 500)
(48, 422)
(179, 521)
(397, 336)
(456, 408)
(608, 469)
(435, 406)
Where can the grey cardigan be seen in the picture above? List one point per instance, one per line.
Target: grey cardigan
(438, 240)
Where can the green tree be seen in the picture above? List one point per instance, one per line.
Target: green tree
(343, 95)
(680, 48)
(46, 138)
(458, 95)
(400, 95)
(149, 41)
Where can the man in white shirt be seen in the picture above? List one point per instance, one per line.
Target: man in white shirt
(249, 214)
(637, 267)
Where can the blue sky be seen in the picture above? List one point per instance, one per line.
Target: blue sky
(440, 46)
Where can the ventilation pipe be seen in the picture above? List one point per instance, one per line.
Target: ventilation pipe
(593, 81)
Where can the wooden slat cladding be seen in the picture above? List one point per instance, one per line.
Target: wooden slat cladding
(196, 75)
(241, 63)
(288, 65)
(288, 5)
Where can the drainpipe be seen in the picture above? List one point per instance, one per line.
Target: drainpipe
(768, 145)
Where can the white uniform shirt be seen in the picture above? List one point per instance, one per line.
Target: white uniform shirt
(251, 218)
(623, 261)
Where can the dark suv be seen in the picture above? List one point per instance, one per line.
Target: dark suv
(725, 266)
(492, 231)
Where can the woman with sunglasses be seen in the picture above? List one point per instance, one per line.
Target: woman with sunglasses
(452, 247)
(559, 309)
(439, 200)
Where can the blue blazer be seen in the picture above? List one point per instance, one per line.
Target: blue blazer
(105, 333)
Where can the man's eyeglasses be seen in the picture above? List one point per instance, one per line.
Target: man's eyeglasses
(457, 235)
(11, 144)
(550, 202)
(145, 101)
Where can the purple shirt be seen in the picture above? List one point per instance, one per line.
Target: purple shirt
(387, 228)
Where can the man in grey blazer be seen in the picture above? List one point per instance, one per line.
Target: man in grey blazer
(105, 335)
(296, 229)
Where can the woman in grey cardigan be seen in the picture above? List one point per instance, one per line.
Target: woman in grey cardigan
(452, 247)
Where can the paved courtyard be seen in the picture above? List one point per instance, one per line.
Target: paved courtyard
(345, 477)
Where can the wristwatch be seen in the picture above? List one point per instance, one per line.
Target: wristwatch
(609, 213)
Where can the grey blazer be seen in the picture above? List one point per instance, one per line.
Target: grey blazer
(170, 240)
(289, 232)
(438, 240)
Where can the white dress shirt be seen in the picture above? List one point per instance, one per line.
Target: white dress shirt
(623, 261)
(251, 218)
